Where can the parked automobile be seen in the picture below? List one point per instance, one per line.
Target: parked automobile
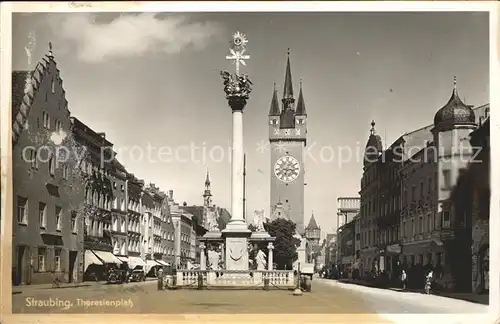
(137, 275)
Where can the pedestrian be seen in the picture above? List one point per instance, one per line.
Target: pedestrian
(403, 279)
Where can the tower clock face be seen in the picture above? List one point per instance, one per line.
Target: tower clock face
(287, 168)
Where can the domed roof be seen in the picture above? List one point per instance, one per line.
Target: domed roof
(373, 146)
(454, 112)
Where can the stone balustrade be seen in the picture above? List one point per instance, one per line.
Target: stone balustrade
(231, 278)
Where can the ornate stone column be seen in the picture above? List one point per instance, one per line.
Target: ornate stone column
(270, 248)
(237, 88)
(203, 257)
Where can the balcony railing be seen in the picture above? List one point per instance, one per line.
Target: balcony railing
(227, 278)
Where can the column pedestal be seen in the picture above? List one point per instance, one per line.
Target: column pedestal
(203, 257)
(270, 261)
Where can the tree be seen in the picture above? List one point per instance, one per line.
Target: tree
(285, 245)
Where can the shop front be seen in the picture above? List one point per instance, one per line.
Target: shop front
(392, 261)
(420, 257)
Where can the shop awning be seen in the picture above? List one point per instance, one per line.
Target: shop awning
(123, 258)
(107, 257)
(135, 261)
(152, 263)
(162, 262)
(91, 258)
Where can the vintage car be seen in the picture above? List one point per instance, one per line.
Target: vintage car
(137, 275)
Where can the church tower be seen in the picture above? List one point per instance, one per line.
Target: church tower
(313, 232)
(207, 199)
(287, 137)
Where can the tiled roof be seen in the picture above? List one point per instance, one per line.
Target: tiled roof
(196, 211)
(25, 86)
(301, 105)
(274, 109)
(312, 224)
(224, 218)
(19, 80)
(454, 112)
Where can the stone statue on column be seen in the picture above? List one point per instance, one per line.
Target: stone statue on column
(212, 224)
(261, 261)
(258, 220)
(213, 259)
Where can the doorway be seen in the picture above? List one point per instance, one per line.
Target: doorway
(21, 249)
(23, 269)
(484, 266)
(72, 261)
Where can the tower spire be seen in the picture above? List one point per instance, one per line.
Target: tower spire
(301, 106)
(372, 130)
(50, 54)
(207, 181)
(274, 109)
(288, 98)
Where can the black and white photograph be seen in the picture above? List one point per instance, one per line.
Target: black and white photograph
(251, 162)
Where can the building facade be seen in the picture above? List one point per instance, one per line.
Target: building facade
(119, 213)
(411, 224)
(183, 226)
(431, 238)
(346, 240)
(163, 229)
(148, 206)
(47, 188)
(287, 136)
(135, 221)
(347, 209)
(468, 206)
(101, 201)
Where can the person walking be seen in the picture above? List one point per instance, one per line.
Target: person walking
(428, 282)
(404, 279)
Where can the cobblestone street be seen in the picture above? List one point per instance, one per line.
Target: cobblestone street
(328, 299)
(146, 299)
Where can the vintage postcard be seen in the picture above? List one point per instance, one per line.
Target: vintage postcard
(249, 162)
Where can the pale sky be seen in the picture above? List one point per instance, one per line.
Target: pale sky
(148, 79)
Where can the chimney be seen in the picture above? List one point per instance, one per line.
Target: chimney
(103, 135)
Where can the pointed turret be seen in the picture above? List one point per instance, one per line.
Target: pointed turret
(455, 112)
(207, 181)
(287, 117)
(313, 232)
(301, 105)
(288, 87)
(274, 110)
(373, 147)
(207, 193)
(312, 224)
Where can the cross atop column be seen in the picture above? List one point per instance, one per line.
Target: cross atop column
(237, 50)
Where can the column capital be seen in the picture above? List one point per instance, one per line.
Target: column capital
(202, 246)
(236, 103)
(270, 246)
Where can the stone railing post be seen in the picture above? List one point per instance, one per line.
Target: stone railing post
(270, 248)
(203, 257)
